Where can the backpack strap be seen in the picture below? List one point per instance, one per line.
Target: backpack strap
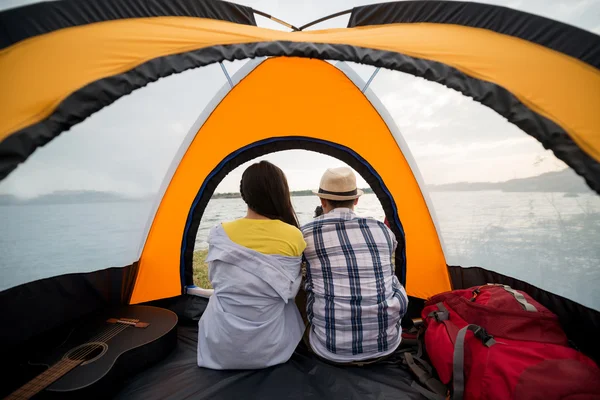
(458, 384)
(425, 377)
(443, 316)
(425, 383)
(420, 341)
(518, 296)
(426, 393)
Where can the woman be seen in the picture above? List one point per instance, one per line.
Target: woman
(251, 320)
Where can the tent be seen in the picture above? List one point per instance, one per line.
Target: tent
(63, 61)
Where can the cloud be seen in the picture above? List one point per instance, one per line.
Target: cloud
(426, 125)
(428, 112)
(303, 170)
(458, 151)
(483, 161)
(134, 139)
(128, 146)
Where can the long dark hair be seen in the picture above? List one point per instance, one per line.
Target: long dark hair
(265, 190)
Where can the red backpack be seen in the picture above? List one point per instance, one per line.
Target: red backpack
(494, 342)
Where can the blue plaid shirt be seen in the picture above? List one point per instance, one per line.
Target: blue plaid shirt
(354, 300)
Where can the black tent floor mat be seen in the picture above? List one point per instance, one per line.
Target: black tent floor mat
(302, 377)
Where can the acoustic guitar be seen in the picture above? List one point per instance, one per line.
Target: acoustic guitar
(101, 351)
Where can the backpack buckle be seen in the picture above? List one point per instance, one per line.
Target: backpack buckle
(475, 293)
(481, 334)
(439, 316)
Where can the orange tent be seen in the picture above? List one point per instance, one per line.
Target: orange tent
(61, 62)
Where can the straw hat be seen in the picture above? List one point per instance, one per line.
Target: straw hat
(338, 184)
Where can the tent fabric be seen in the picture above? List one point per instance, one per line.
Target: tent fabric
(77, 107)
(302, 377)
(68, 297)
(63, 61)
(344, 154)
(48, 16)
(296, 96)
(107, 61)
(580, 323)
(54, 79)
(555, 35)
(45, 304)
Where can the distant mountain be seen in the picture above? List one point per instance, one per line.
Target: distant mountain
(296, 193)
(566, 181)
(7, 199)
(69, 197)
(86, 196)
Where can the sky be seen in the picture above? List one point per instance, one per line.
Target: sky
(128, 146)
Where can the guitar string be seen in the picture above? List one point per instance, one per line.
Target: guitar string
(99, 338)
(85, 350)
(39, 384)
(103, 337)
(56, 372)
(50, 374)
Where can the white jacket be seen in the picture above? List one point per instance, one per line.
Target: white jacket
(251, 320)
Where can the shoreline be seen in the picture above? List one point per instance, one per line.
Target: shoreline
(293, 193)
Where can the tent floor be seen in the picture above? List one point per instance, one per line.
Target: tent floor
(303, 377)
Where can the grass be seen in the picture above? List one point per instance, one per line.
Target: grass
(201, 269)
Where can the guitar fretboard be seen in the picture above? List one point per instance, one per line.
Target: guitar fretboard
(65, 365)
(44, 379)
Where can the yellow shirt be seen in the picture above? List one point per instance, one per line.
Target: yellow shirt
(267, 236)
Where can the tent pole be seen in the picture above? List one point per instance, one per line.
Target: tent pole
(226, 74)
(262, 14)
(317, 21)
(364, 89)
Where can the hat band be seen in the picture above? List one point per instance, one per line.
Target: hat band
(350, 193)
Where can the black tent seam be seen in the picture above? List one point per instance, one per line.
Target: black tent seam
(44, 17)
(555, 35)
(267, 146)
(93, 97)
(64, 298)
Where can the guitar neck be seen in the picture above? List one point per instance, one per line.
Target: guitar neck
(85, 364)
(44, 379)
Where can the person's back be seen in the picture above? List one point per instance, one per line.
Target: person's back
(251, 320)
(354, 300)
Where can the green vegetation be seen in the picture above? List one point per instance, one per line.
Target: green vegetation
(201, 269)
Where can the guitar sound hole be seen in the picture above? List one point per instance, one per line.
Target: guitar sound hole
(88, 352)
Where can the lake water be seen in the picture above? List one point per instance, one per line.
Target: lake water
(547, 239)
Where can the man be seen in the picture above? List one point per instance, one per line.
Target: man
(354, 300)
